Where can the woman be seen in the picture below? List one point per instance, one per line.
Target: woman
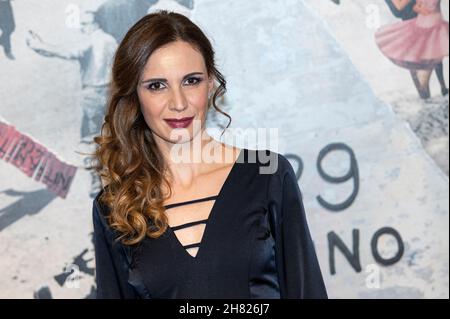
(165, 227)
(419, 43)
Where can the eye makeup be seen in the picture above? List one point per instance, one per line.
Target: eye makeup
(151, 86)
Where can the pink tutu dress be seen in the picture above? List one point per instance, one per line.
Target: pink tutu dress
(418, 43)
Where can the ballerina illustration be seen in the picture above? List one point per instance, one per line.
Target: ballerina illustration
(419, 43)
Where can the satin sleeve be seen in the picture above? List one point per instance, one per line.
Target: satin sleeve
(111, 265)
(299, 273)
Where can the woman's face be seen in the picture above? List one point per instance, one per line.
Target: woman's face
(174, 85)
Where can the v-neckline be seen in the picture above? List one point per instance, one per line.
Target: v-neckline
(210, 219)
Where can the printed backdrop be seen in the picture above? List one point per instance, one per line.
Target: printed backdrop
(369, 149)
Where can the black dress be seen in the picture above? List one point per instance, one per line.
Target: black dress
(256, 244)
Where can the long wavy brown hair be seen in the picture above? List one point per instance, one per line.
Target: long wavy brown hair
(126, 156)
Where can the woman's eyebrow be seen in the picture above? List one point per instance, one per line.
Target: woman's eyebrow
(165, 80)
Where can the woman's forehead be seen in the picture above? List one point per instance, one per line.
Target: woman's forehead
(175, 59)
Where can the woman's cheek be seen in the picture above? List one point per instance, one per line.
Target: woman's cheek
(200, 103)
(151, 114)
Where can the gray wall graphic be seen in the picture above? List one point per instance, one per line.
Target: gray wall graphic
(376, 198)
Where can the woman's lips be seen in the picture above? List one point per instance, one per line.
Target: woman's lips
(179, 123)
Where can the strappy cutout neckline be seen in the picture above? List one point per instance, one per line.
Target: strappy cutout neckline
(191, 224)
(209, 222)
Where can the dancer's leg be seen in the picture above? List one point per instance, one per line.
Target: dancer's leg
(439, 69)
(423, 93)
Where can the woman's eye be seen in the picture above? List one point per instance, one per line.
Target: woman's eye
(156, 86)
(193, 81)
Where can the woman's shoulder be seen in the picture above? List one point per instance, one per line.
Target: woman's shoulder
(268, 161)
(101, 221)
(273, 161)
(100, 210)
(97, 201)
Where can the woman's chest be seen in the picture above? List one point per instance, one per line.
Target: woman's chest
(236, 243)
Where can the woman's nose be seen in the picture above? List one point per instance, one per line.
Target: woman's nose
(178, 100)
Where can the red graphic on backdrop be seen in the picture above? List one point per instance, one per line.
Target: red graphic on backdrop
(35, 160)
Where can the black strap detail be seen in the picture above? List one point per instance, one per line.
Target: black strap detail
(204, 221)
(191, 201)
(192, 245)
